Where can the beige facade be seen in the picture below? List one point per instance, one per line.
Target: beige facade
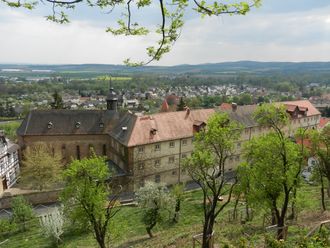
(147, 148)
(162, 161)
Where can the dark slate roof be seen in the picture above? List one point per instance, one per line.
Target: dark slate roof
(243, 115)
(115, 170)
(122, 131)
(68, 122)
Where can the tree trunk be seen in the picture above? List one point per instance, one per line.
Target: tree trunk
(100, 238)
(322, 194)
(235, 208)
(207, 233)
(293, 205)
(281, 229)
(274, 219)
(328, 189)
(149, 228)
(177, 211)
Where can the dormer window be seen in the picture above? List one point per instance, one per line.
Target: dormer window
(153, 131)
(124, 128)
(50, 125)
(101, 125)
(198, 126)
(77, 125)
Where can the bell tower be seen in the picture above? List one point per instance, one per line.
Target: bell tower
(112, 99)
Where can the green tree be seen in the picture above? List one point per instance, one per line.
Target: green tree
(273, 164)
(177, 192)
(22, 211)
(171, 21)
(41, 167)
(213, 146)
(154, 199)
(57, 101)
(181, 105)
(321, 151)
(86, 196)
(245, 99)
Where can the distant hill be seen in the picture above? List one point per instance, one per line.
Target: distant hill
(250, 67)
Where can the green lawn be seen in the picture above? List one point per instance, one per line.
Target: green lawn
(127, 229)
(10, 128)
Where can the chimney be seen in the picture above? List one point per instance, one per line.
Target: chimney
(187, 112)
(234, 106)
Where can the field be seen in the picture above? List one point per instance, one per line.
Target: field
(127, 229)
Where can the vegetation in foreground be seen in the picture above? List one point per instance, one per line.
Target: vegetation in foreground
(128, 230)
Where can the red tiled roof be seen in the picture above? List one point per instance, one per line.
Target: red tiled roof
(323, 122)
(164, 107)
(303, 104)
(169, 126)
(177, 125)
(225, 106)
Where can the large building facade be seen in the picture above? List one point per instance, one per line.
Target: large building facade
(144, 148)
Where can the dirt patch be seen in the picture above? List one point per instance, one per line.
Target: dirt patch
(312, 218)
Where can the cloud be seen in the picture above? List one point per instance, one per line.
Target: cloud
(296, 35)
(31, 39)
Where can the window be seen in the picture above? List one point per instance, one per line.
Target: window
(141, 149)
(141, 183)
(78, 152)
(173, 173)
(237, 158)
(246, 130)
(172, 144)
(141, 166)
(157, 179)
(171, 160)
(157, 147)
(157, 163)
(104, 150)
(183, 156)
(184, 142)
(238, 145)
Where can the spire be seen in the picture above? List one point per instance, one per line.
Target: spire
(110, 82)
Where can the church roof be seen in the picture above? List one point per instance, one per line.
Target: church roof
(68, 122)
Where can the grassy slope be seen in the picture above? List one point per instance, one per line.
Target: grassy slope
(128, 230)
(10, 129)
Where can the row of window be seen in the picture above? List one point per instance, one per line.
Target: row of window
(157, 162)
(158, 146)
(157, 178)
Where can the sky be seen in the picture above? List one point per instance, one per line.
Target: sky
(280, 30)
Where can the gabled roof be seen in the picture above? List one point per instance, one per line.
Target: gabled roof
(68, 122)
(169, 126)
(243, 115)
(303, 105)
(324, 122)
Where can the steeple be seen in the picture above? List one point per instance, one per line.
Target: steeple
(111, 98)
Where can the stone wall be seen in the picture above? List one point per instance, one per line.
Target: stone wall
(34, 198)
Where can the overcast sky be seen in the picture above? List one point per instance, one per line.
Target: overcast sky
(280, 30)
